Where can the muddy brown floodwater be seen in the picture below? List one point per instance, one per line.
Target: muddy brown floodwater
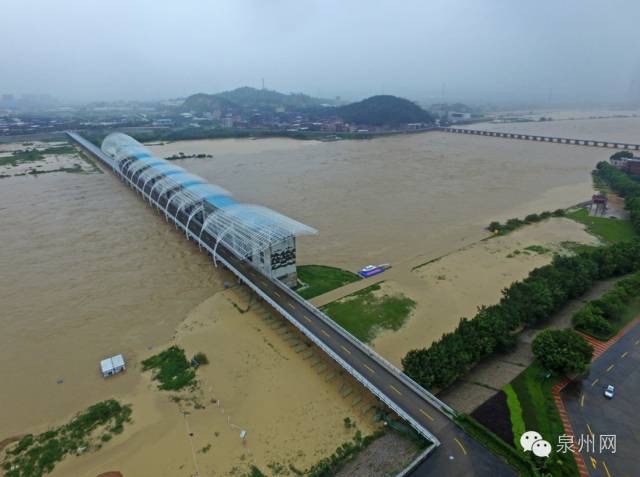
(391, 199)
(88, 270)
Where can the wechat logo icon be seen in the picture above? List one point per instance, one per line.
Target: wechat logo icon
(532, 441)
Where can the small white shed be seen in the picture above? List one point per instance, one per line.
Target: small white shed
(113, 365)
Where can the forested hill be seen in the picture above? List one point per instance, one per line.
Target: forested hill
(383, 110)
(251, 98)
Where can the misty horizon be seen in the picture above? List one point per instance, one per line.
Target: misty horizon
(543, 52)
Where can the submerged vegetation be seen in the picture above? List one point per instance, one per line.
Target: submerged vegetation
(172, 369)
(525, 303)
(365, 313)
(319, 279)
(510, 225)
(37, 455)
(32, 155)
(530, 301)
(27, 155)
(347, 451)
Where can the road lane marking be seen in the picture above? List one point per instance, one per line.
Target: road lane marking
(345, 349)
(307, 318)
(595, 381)
(425, 413)
(606, 469)
(395, 389)
(624, 355)
(464, 451)
(371, 370)
(326, 334)
(582, 401)
(291, 305)
(590, 431)
(637, 342)
(277, 294)
(610, 367)
(594, 462)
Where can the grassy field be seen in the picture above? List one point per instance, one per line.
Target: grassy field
(610, 230)
(532, 400)
(364, 313)
(322, 279)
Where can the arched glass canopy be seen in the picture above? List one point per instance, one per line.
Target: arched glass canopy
(245, 229)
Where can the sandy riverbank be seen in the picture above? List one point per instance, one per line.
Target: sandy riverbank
(255, 382)
(89, 270)
(455, 285)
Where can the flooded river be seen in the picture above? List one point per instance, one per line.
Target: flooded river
(88, 270)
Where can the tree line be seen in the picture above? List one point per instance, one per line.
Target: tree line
(510, 225)
(597, 316)
(524, 303)
(530, 301)
(624, 186)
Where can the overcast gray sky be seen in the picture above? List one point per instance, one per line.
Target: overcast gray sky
(471, 49)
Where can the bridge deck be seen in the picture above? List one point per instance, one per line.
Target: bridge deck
(548, 139)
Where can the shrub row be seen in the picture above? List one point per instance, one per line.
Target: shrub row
(524, 303)
(513, 224)
(596, 317)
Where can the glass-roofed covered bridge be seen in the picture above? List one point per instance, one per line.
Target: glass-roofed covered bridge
(260, 236)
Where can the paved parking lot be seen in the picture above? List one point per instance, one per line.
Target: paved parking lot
(592, 414)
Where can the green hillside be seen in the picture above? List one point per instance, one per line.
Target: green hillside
(251, 98)
(383, 110)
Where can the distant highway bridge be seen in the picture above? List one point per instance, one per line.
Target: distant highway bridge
(549, 139)
(453, 453)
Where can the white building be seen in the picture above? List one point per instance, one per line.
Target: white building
(113, 365)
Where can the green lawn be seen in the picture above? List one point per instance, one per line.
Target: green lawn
(322, 279)
(610, 230)
(364, 313)
(531, 399)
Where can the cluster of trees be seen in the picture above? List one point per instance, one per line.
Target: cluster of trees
(524, 303)
(595, 317)
(622, 155)
(562, 351)
(513, 224)
(247, 98)
(624, 186)
(383, 110)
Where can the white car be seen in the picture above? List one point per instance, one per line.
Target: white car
(609, 391)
